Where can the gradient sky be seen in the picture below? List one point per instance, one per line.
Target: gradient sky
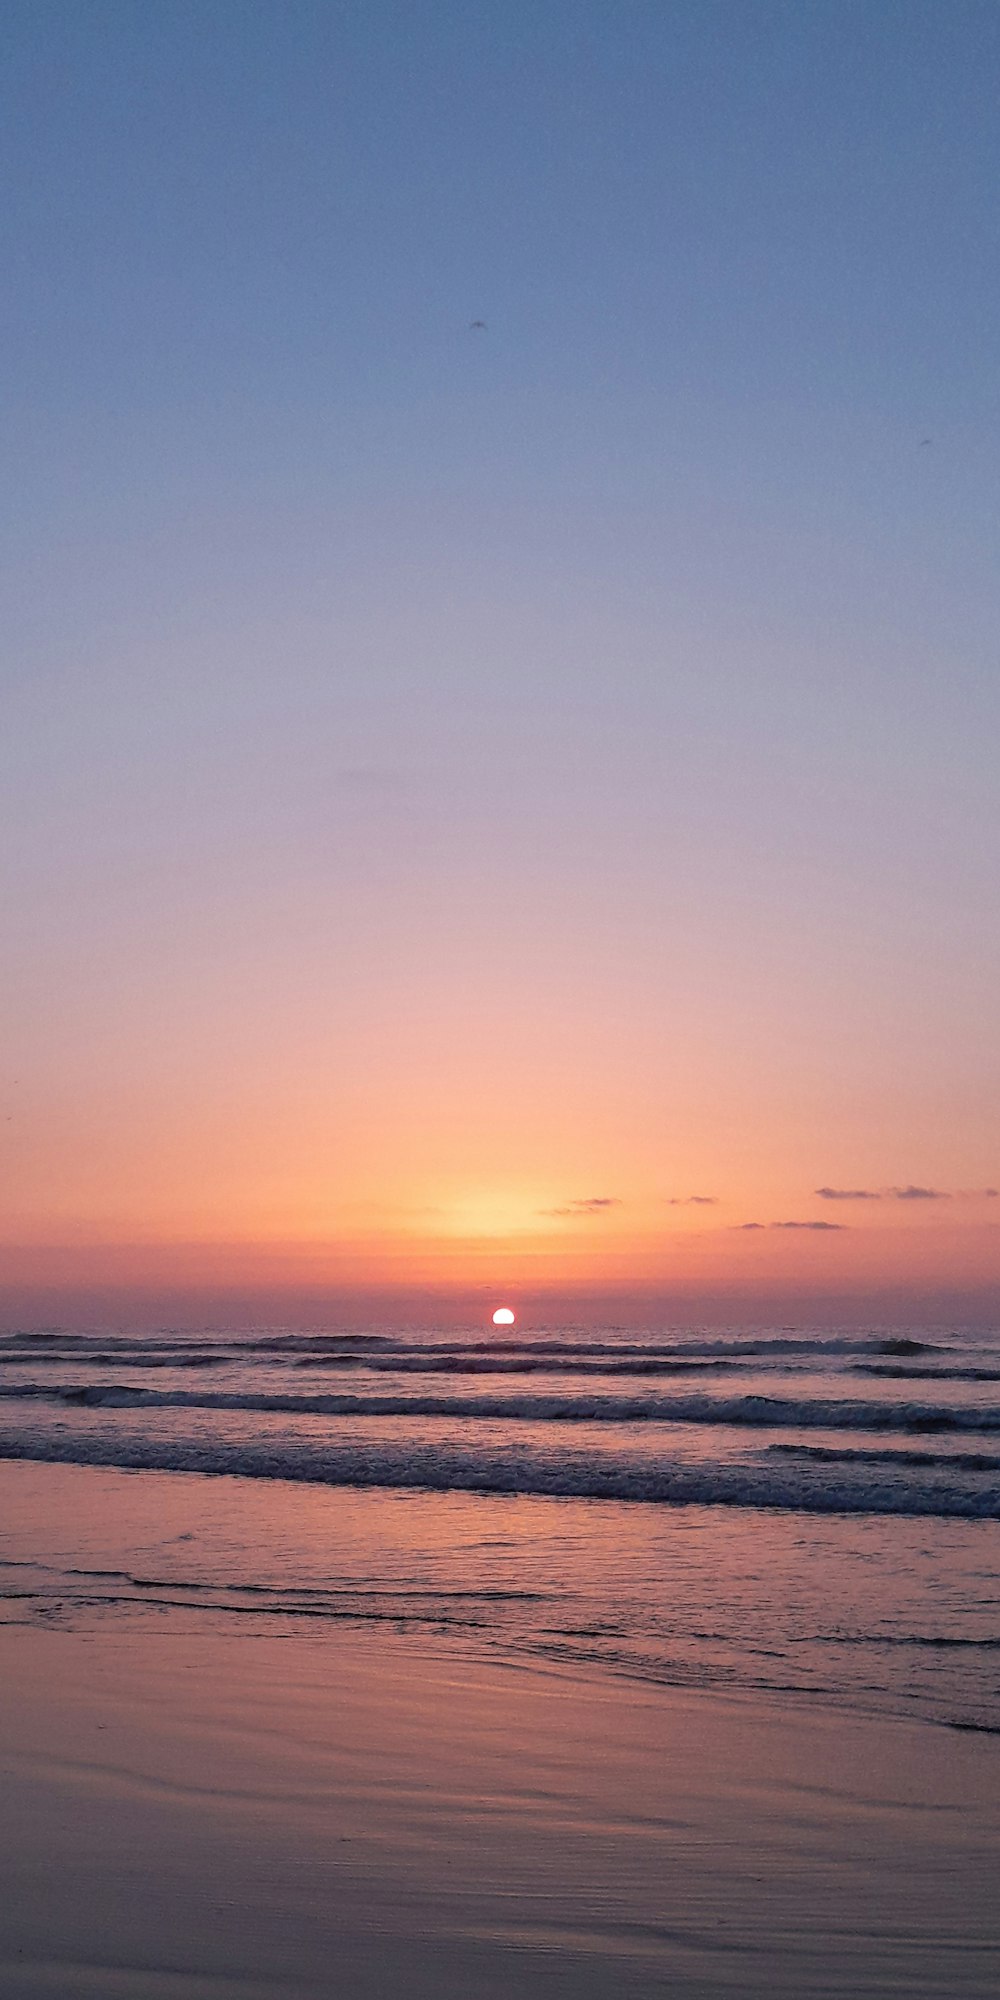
(467, 791)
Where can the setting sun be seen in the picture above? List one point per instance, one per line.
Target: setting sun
(503, 1316)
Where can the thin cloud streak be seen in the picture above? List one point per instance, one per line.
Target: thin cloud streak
(847, 1194)
(912, 1192)
(809, 1225)
(824, 1227)
(592, 1204)
(693, 1201)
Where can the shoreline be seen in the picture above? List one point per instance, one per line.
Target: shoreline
(211, 1807)
(687, 1597)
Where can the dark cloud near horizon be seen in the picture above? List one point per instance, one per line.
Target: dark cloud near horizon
(808, 1225)
(823, 1226)
(909, 1193)
(693, 1201)
(847, 1194)
(591, 1204)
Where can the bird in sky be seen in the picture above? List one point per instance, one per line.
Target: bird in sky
(477, 326)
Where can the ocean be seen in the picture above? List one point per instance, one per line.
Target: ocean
(807, 1512)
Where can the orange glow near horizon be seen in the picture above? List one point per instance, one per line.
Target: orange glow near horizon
(631, 1105)
(521, 812)
(913, 1254)
(280, 1166)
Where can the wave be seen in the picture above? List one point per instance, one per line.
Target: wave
(523, 1350)
(522, 1472)
(536, 1362)
(887, 1371)
(404, 1363)
(901, 1455)
(750, 1411)
(56, 1358)
(940, 1642)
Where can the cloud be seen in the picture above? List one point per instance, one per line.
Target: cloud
(848, 1194)
(824, 1226)
(591, 1204)
(909, 1193)
(693, 1201)
(809, 1225)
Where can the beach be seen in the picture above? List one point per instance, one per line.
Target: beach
(207, 1796)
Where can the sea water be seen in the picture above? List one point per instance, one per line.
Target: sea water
(801, 1511)
(797, 1510)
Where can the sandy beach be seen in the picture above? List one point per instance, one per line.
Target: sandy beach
(232, 1805)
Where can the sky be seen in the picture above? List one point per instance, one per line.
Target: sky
(510, 804)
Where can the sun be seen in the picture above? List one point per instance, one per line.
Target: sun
(503, 1316)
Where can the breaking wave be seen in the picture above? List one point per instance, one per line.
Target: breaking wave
(524, 1471)
(747, 1411)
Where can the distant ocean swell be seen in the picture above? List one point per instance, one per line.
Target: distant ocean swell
(358, 1349)
(749, 1411)
(821, 1486)
(446, 1361)
(877, 1355)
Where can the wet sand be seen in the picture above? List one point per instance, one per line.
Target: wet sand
(193, 1814)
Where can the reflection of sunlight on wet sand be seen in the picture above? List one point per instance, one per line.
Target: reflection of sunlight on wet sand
(245, 1806)
(252, 1731)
